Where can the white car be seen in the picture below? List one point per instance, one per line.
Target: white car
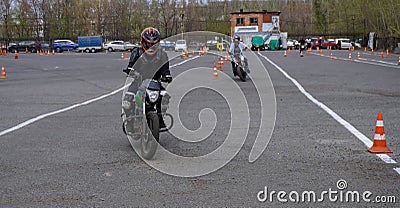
(180, 45)
(293, 43)
(344, 43)
(114, 45)
(130, 46)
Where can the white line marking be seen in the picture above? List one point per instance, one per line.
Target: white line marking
(397, 170)
(364, 61)
(339, 119)
(40, 117)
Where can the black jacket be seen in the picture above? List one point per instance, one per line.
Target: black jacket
(149, 66)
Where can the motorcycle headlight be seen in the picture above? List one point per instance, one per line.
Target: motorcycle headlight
(152, 95)
(126, 105)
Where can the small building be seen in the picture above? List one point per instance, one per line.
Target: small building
(250, 23)
(255, 21)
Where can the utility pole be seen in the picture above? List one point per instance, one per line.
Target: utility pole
(182, 15)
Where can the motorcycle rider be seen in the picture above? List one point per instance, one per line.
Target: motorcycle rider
(302, 46)
(238, 47)
(149, 61)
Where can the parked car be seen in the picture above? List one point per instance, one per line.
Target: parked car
(293, 43)
(32, 47)
(64, 45)
(45, 47)
(180, 45)
(212, 44)
(343, 43)
(167, 45)
(326, 43)
(116, 45)
(356, 44)
(130, 46)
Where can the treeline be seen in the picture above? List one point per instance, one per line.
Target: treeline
(124, 19)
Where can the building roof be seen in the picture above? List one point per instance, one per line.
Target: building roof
(255, 12)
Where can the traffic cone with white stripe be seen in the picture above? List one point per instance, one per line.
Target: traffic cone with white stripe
(215, 74)
(331, 57)
(350, 58)
(379, 145)
(358, 55)
(3, 72)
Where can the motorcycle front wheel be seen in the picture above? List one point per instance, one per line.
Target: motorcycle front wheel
(241, 73)
(150, 136)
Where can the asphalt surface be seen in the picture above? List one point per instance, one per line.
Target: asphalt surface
(81, 158)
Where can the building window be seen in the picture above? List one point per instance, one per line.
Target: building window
(239, 21)
(254, 21)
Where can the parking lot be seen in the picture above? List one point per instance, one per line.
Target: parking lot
(61, 143)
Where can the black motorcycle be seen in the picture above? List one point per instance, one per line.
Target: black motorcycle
(141, 117)
(239, 64)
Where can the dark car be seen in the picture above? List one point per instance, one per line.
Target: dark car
(45, 47)
(31, 46)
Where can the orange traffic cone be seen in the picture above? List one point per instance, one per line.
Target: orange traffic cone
(387, 52)
(187, 54)
(127, 56)
(15, 55)
(183, 55)
(381, 56)
(122, 56)
(52, 52)
(358, 55)
(320, 52)
(350, 58)
(379, 145)
(284, 54)
(26, 50)
(215, 75)
(331, 57)
(3, 72)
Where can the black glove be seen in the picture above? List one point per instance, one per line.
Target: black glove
(166, 78)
